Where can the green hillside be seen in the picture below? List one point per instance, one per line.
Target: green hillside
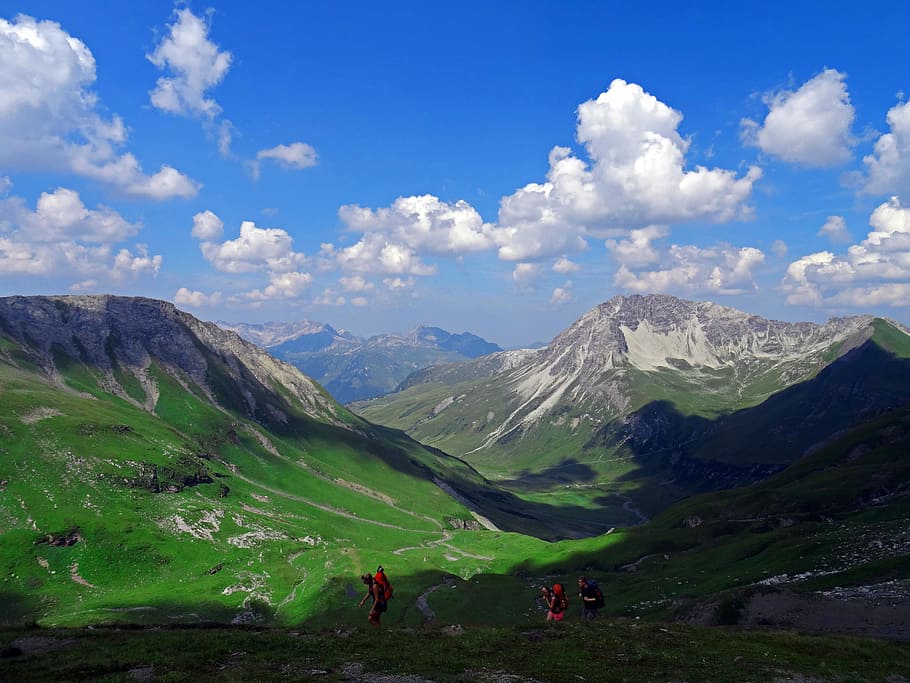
(142, 494)
(195, 511)
(827, 534)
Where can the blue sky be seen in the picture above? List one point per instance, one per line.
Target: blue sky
(492, 167)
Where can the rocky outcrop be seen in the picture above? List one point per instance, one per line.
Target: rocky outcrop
(120, 337)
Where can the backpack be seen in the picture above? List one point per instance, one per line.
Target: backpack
(561, 598)
(598, 594)
(384, 584)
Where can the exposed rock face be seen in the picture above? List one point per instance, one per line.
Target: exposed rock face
(596, 365)
(111, 333)
(649, 332)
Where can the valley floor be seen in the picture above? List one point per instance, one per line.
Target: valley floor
(604, 650)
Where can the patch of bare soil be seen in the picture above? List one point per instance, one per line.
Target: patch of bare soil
(74, 575)
(39, 414)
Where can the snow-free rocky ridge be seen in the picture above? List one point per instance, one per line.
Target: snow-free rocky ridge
(122, 333)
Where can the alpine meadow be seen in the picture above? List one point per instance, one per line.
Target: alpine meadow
(413, 343)
(161, 470)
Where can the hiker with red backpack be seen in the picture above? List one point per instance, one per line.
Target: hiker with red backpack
(556, 601)
(592, 598)
(380, 591)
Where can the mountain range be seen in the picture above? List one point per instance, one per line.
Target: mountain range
(355, 368)
(158, 469)
(654, 397)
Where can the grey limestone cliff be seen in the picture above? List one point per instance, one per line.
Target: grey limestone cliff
(129, 334)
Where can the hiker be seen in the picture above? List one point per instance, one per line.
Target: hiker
(555, 604)
(374, 591)
(591, 597)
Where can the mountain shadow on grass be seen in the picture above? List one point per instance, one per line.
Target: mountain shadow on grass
(754, 443)
(569, 471)
(17, 608)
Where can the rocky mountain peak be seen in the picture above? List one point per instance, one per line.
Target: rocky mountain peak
(652, 331)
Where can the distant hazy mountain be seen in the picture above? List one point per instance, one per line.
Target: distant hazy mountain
(312, 336)
(354, 368)
(689, 393)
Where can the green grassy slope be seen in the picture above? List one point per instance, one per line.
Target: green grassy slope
(193, 512)
(836, 519)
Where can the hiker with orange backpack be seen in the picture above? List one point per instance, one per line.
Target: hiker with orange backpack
(380, 591)
(556, 601)
(374, 592)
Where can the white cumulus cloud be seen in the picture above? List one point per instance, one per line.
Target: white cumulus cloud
(207, 226)
(875, 271)
(193, 299)
(281, 286)
(395, 238)
(329, 297)
(194, 65)
(888, 167)
(562, 295)
(255, 249)
(526, 275)
(375, 254)
(636, 176)
(564, 266)
(722, 269)
(355, 283)
(424, 224)
(129, 265)
(835, 229)
(50, 119)
(60, 216)
(397, 284)
(297, 155)
(809, 126)
(62, 237)
(637, 248)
